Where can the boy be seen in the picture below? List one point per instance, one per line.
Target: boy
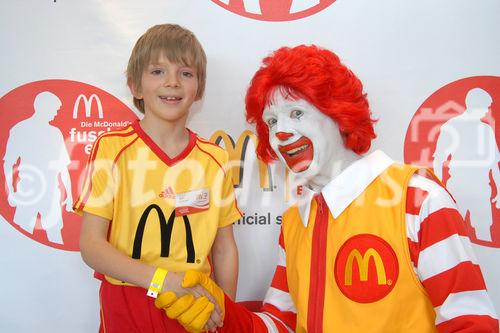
(157, 198)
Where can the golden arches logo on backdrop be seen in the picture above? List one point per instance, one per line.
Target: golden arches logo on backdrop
(237, 152)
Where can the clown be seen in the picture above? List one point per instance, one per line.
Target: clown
(373, 245)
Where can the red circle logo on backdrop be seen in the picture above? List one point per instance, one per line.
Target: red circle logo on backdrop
(366, 268)
(46, 132)
(274, 10)
(454, 133)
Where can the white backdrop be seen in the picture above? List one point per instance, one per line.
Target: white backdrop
(403, 51)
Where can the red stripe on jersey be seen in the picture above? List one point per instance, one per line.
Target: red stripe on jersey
(466, 276)
(159, 152)
(279, 280)
(286, 317)
(414, 198)
(440, 225)
(236, 205)
(220, 166)
(122, 150)
(209, 142)
(88, 178)
(469, 324)
(206, 152)
(90, 168)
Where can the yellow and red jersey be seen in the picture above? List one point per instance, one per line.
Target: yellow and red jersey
(164, 211)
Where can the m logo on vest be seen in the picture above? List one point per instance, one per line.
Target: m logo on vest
(366, 268)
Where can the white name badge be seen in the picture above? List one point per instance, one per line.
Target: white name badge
(192, 202)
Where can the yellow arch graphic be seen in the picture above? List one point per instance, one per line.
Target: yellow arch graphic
(363, 261)
(237, 152)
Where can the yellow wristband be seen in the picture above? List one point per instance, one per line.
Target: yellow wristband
(157, 282)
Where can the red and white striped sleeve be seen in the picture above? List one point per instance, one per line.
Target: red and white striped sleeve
(443, 259)
(278, 311)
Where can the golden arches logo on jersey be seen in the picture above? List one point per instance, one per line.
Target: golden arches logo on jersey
(366, 268)
(237, 154)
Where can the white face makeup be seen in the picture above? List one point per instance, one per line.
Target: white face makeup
(306, 140)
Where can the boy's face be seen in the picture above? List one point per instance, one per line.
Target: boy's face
(305, 139)
(168, 90)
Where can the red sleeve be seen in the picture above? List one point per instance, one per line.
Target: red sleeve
(238, 319)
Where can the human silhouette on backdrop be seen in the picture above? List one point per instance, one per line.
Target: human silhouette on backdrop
(37, 149)
(470, 145)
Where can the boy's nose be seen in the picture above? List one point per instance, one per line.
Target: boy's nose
(171, 81)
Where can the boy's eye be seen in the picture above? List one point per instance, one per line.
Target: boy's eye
(296, 114)
(187, 74)
(157, 71)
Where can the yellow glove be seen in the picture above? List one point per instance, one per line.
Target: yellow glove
(190, 313)
(192, 278)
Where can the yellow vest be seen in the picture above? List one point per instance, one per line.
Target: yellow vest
(354, 273)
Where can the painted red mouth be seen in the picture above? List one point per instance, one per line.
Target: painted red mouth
(298, 155)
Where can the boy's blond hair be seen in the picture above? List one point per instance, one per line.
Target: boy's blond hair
(178, 44)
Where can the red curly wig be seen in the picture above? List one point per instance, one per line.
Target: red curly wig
(318, 76)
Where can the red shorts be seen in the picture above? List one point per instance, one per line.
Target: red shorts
(126, 309)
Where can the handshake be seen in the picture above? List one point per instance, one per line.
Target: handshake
(195, 314)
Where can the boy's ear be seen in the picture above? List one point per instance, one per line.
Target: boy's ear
(135, 92)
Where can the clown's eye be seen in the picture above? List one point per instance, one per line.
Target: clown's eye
(271, 122)
(296, 114)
